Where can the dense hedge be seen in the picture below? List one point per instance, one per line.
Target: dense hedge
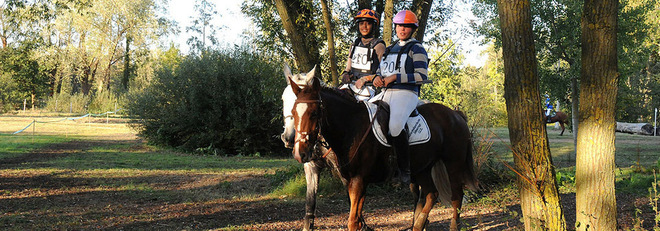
(222, 102)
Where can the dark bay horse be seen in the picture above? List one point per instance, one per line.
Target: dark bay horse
(321, 158)
(441, 168)
(560, 117)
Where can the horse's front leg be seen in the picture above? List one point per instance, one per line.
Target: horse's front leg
(312, 170)
(356, 194)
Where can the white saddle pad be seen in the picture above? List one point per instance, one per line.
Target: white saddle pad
(417, 128)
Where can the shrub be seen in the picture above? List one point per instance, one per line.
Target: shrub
(228, 100)
(67, 103)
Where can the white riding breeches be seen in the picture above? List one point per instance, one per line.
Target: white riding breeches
(402, 103)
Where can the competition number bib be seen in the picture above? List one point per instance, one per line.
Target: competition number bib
(388, 65)
(360, 58)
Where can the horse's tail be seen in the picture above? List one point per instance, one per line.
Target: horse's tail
(442, 184)
(469, 177)
(441, 180)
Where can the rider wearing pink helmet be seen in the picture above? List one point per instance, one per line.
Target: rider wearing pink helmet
(364, 56)
(402, 71)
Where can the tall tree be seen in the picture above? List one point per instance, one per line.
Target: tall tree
(539, 197)
(202, 27)
(388, 14)
(4, 27)
(422, 8)
(594, 174)
(296, 19)
(327, 20)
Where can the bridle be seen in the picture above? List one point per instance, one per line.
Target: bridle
(304, 136)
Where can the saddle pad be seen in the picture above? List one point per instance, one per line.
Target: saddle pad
(416, 128)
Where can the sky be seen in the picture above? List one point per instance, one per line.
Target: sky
(233, 23)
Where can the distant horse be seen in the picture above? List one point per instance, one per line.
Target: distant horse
(313, 164)
(441, 167)
(560, 117)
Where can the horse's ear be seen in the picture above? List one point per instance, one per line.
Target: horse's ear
(294, 87)
(310, 75)
(316, 84)
(287, 74)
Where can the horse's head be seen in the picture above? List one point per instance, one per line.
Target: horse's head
(288, 99)
(306, 114)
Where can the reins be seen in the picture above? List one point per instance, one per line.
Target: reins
(366, 133)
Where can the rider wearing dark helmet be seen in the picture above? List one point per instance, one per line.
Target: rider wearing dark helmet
(365, 55)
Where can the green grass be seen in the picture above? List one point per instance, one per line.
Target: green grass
(12, 146)
(162, 160)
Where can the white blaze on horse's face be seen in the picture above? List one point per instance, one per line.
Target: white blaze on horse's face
(288, 100)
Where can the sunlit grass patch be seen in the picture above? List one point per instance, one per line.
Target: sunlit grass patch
(291, 182)
(13, 145)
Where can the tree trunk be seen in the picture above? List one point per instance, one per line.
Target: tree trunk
(331, 42)
(364, 4)
(594, 164)
(33, 97)
(536, 174)
(305, 49)
(388, 14)
(127, 65)
(422, 8)
(380, 7)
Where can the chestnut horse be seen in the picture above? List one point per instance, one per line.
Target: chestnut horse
(560, 117)
(441, 168)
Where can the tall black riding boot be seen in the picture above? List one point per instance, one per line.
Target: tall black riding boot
(400, 144)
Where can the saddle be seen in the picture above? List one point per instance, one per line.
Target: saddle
(416, 127)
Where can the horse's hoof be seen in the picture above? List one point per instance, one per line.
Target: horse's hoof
(308, 225)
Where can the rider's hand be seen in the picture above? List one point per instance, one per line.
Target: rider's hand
(359, 83)
(378, 81)
(346, 77)
(381, 81)
(388, 80)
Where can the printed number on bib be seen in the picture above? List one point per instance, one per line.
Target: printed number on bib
(388, 65)
(360, 58)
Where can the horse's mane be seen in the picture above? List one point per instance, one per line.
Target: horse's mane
(345, 96)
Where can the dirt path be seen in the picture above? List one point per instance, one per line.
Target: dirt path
(238, 200)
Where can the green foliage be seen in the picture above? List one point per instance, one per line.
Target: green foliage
(557, 31)
(229, 99)
(9, 97)
(103, 102)
(27, 77)
(566, 179)
(476, 92)
(76, 103)
(634, 182)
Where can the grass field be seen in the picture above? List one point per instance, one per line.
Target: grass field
(95, 173)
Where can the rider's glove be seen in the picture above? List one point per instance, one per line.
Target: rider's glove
(346, 77)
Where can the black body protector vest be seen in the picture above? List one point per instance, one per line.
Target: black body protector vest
(364, 59)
